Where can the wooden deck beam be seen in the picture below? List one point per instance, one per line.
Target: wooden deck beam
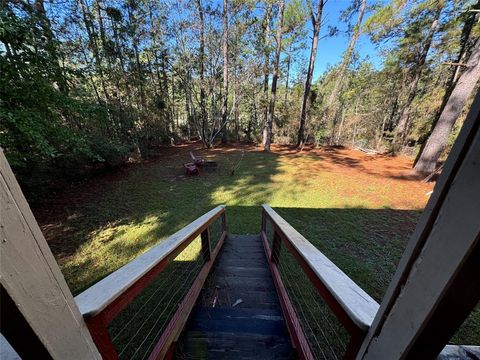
(31, 277)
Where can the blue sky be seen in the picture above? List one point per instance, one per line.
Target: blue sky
(330, 49)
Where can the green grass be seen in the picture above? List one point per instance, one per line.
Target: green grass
(359, 219)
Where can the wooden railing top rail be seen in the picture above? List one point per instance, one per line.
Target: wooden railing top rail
(96, 298)
(357, 304)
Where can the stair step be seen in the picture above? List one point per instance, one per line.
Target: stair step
(244, 238)
(250, 298)
(244, 283)
(251, 253)
(200, 312)
(246, 263)
(239, 271)
(248, 241)
(254, 328)
(246, 248)
(233, 320)
(234, 345)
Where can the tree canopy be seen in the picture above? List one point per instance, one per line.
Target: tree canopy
(93, 83)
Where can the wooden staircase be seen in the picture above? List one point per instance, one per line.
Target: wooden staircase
(48, 320)
(252, 329)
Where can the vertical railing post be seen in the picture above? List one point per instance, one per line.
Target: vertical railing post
(276, 243)
(356, 339)
(264, 222)
(98, 329)
(224, 222)
(206, 248)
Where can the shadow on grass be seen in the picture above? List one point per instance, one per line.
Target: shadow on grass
(135, 213)
(340, 158)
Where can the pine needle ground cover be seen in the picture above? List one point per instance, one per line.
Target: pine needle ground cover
(358, 209)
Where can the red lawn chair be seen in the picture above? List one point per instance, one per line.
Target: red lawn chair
(191, 169)
(197, 160)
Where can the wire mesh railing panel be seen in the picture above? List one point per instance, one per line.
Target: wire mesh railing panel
(209, 295)
(326, 336)
(216, 229)
(137, 328)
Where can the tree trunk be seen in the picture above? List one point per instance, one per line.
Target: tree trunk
(316, 23)
(464, 45)
(164, 88)
(132, 22)
(92, 37)
(225, 73)
(287, 75)
(51, 44)
(235, 102)
(464, 41)
(355, 121)
(266, 69)
(382, 131)
(203, 105)
(401, 130)
(340, 127)
(460, 94)
(120, 58)
(271, 108)
(347, 57)
(90, 77)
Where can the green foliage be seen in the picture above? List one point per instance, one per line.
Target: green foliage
(321, 136)
(84, 84)
(46, 133)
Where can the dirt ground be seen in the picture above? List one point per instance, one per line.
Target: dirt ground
(361, 168)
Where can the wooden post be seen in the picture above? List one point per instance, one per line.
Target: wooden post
(206, 247)
(276, 244)
(264, 223)
(436, 285)
(354, 344)
(99, 330)
(224, 223)
(32, 279)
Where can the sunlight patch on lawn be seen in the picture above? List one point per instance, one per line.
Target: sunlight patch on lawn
(109, 248)
(245, 190)
(191, 252)
(145, 207)
(127, 233)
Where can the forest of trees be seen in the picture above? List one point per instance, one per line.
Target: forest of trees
(93, 83)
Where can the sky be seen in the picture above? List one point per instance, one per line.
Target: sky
(331, 49)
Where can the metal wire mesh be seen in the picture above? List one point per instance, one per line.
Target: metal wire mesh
(138, 327)
(326, 336)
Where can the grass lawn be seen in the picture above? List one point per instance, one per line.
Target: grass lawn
(359, 210)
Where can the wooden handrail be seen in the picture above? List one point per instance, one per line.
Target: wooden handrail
(351, 304)
(360, 306)
(102, 302)
(99, 296)
(96, 298)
